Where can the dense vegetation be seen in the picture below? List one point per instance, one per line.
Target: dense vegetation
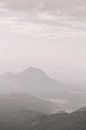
(62, 121)
(28, 120)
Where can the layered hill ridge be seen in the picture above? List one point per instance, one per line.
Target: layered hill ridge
(23, 101)
(16, 92)
(35, 82)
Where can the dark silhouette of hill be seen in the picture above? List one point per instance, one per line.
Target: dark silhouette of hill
(32, 120)
(62, 121)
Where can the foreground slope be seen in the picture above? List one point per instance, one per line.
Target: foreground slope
(30, 120)
(62, 121)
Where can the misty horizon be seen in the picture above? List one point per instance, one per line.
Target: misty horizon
(42, 64)
(46, 34)
(58, 72)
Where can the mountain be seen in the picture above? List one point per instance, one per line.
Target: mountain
(35, 82)
(15, 92)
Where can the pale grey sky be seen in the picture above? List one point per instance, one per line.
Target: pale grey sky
(46, 33)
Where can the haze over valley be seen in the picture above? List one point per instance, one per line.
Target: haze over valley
(35, 82)
(42, 64)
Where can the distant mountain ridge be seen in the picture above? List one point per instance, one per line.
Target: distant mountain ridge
(35, 82)
(31, 78)
(34, 72)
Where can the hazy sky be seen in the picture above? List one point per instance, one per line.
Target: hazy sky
(48, 33)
